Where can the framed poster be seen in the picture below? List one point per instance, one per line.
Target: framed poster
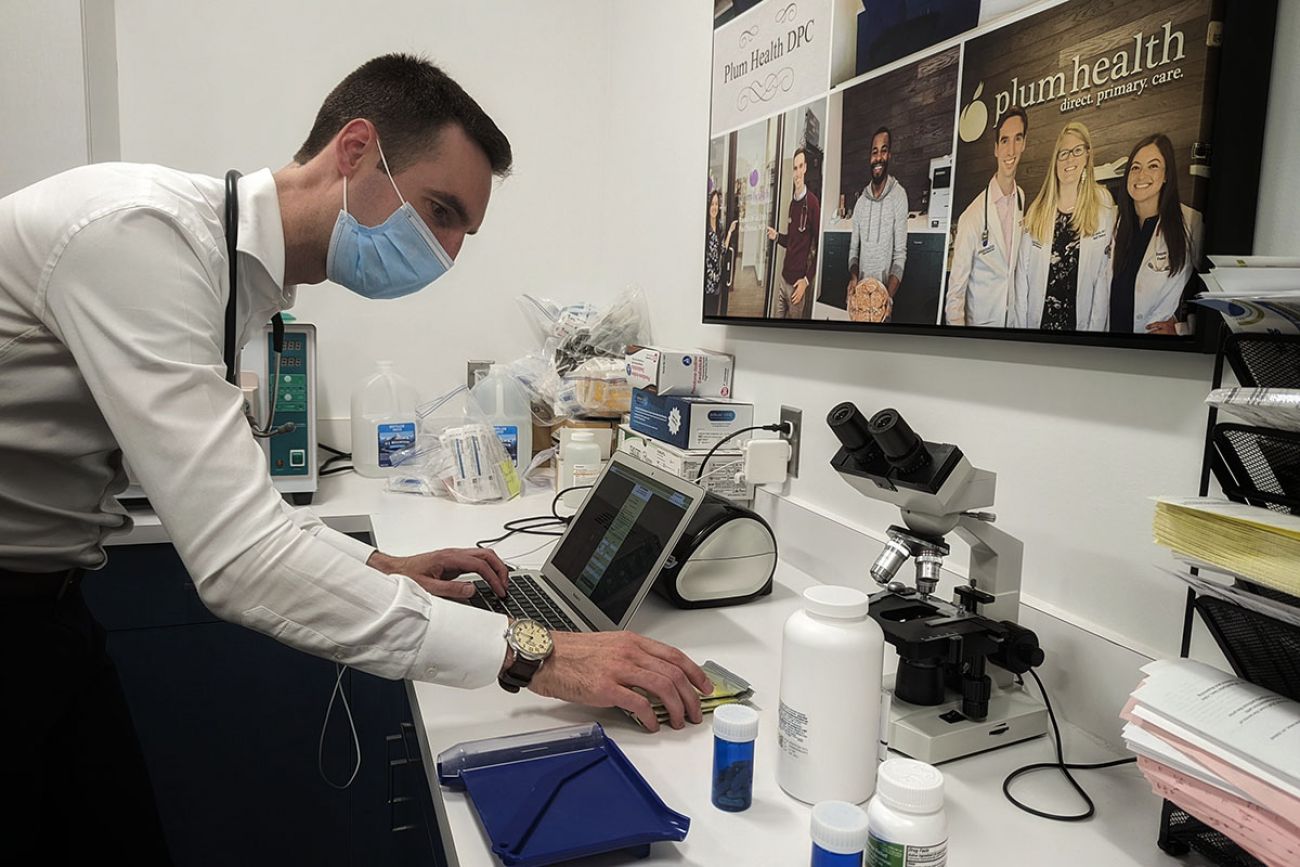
(990, 168)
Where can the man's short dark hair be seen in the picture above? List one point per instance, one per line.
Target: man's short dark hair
(410, 101)
(889, 136)
(1011, 112)
(800, 152)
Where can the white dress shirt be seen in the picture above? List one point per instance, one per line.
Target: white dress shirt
(113, 287)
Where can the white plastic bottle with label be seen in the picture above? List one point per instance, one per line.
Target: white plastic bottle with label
(507, 408)
(906, 822)
(832, 659)
(383, 420)
(580, 464)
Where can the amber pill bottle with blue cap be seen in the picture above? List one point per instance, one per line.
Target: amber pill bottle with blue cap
(735, 726)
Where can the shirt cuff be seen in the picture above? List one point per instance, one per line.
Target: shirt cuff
(354, 548)
(463, 646)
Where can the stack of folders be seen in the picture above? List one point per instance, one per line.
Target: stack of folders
(1257, 544)
(1225, 751)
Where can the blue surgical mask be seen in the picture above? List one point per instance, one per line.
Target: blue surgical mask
(395, 258)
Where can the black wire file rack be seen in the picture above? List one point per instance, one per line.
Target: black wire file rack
(1259, 466)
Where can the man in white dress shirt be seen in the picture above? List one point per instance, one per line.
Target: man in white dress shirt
(113, 289)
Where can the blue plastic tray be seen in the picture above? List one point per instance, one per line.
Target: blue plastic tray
(551, 796)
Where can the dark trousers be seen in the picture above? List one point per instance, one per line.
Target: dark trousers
(74, 776)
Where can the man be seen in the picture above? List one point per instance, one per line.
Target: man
(800, 242)
(988, 236)
(878, 245)
(113, 287)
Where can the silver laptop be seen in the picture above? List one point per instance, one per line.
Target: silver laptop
(610, 554)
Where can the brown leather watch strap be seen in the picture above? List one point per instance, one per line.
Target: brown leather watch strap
(519, 674)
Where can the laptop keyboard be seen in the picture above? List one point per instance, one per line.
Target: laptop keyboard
(526, 600)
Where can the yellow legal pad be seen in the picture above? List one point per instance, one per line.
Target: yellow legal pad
(1258, 544)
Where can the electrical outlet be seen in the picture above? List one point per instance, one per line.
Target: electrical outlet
(793, 417)
(474, 371)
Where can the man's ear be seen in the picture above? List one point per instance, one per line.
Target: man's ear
(351, 144)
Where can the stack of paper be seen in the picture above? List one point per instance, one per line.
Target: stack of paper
(1258, 544)
(1267, 407)
(1225, 751)
(1255, 293)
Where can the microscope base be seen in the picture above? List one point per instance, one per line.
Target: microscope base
(924, 734)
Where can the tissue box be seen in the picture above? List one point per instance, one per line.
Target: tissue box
(673, 371)
(690, 422)
(720, 475)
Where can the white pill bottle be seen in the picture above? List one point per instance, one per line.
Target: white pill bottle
(832, 657)
(906, 822)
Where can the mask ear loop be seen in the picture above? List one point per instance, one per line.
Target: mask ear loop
(388, 172)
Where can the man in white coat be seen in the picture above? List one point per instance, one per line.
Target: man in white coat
(988, 236)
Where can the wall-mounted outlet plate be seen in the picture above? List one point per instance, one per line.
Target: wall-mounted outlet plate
(793, 417)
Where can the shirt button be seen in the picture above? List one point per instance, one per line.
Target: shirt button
(431, 670)
(338, 654)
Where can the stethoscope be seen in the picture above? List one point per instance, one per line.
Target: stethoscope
(277, 322)
(984, 236)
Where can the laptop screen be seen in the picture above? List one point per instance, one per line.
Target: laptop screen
(618, 537)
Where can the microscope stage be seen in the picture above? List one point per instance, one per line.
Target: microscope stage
(939, 733)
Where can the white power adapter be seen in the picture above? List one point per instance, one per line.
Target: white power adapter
(766, 461)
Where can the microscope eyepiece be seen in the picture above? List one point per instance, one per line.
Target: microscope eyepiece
(902, 447)
(849, 426)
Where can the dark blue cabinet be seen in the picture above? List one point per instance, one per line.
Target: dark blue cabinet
(230, 722)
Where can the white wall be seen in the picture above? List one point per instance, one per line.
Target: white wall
(210, 86)
(1080, 437)
(43, 96)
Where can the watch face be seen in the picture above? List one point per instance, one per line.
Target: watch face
(531, 638)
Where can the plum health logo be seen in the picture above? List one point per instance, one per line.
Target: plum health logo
(974, 117)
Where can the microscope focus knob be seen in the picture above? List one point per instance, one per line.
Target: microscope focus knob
(1019, 651)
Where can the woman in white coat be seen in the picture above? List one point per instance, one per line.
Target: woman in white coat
(1063, 273)
(1157, 241)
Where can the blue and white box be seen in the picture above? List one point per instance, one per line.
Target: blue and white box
(690, 422)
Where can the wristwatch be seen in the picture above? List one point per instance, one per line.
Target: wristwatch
(532, 644)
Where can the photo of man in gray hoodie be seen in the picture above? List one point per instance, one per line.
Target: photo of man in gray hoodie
(878, 246)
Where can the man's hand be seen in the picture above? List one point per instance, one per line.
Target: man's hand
(601, 668)
(1164, 326)
(800, 287)
(771, 233)
(435, 570)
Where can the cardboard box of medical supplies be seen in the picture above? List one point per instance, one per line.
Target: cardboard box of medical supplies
(690, 422)
(720, 476)
(674, 371)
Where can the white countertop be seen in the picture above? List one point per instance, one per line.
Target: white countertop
(984, 827)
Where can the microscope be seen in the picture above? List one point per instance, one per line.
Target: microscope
(948, 702)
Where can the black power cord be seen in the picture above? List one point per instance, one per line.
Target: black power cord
(1060, 764)
(537, 525)
(339, 457)
(779, 426)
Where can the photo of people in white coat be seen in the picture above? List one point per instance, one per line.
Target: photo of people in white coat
(1157, 245)
(1062, 280)
(987, 242)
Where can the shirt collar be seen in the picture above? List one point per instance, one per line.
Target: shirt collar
(995, 192)
(800, 197)
(261, 232)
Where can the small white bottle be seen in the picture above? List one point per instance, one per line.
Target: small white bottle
(906, 822)
(507, 408)
(580, 464)
(383, 420)
(832, 659)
